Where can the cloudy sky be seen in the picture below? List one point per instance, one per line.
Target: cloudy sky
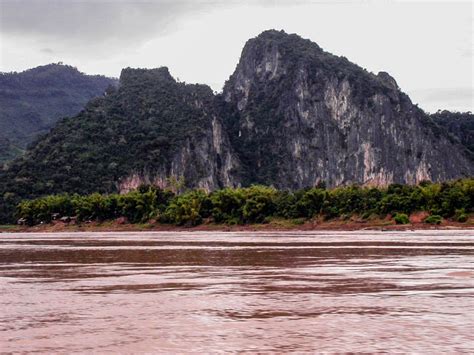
(426, 45)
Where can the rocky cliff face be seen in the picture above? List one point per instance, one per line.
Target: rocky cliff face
(200, 153)
(291, 116)
(299, 116)
(204, 162)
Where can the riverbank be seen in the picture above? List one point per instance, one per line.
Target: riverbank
(353, 224)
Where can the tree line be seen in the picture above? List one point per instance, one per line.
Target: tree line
(257, 204)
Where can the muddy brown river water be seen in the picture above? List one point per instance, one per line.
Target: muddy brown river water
(237, 292)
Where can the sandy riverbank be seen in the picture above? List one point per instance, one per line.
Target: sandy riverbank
(274, 225)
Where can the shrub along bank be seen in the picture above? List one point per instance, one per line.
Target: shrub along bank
(257, 204)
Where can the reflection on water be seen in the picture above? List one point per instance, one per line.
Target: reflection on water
(216, 292)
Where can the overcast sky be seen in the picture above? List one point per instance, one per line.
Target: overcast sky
(427, 46)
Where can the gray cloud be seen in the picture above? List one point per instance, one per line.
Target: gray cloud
(467, 53)
(86, 20)
(101, 19)
(448, 94)
(46, 50)
(200, 40)
(461, 98)
(96, 20)
(96, 28)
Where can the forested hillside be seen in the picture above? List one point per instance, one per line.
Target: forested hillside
(31, 102)
(151, 129)
(291, 116)
(458, 124)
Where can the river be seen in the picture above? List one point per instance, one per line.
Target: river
(237, 292)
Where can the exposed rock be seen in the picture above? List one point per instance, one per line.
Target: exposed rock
(388, 80)
(291, 116)
(204, 158)
(301, 116)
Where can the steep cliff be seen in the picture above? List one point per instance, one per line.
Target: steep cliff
(291, 115)
(183, 134)
(298, 115)
(31, 102)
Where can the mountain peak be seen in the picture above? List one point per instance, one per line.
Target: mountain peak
(35, 99)
(285, 39)
(303, 115)
(272, 33)
(136, 75)
(271, 55)
(48, 70)
(290, 116)
(388, 79)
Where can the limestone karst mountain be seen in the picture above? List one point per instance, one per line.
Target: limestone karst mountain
(302, 115)
(291, 115)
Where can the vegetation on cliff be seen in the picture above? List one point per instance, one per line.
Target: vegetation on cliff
(256, 204)
(459, 124)
(297, 115)
(291, 116)
(138, 128)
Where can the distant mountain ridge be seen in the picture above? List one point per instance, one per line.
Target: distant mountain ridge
(32, 101)
(291, 116)
(459, 124)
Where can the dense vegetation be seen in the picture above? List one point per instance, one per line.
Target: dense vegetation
(258, 204)
(137, 127)
(31, 102)
(8, 150)
(458, 124)
(152, 126)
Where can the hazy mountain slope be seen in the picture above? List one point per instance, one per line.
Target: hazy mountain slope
(8, 150)
(459, 124)
(32, 101)
(299, 115)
